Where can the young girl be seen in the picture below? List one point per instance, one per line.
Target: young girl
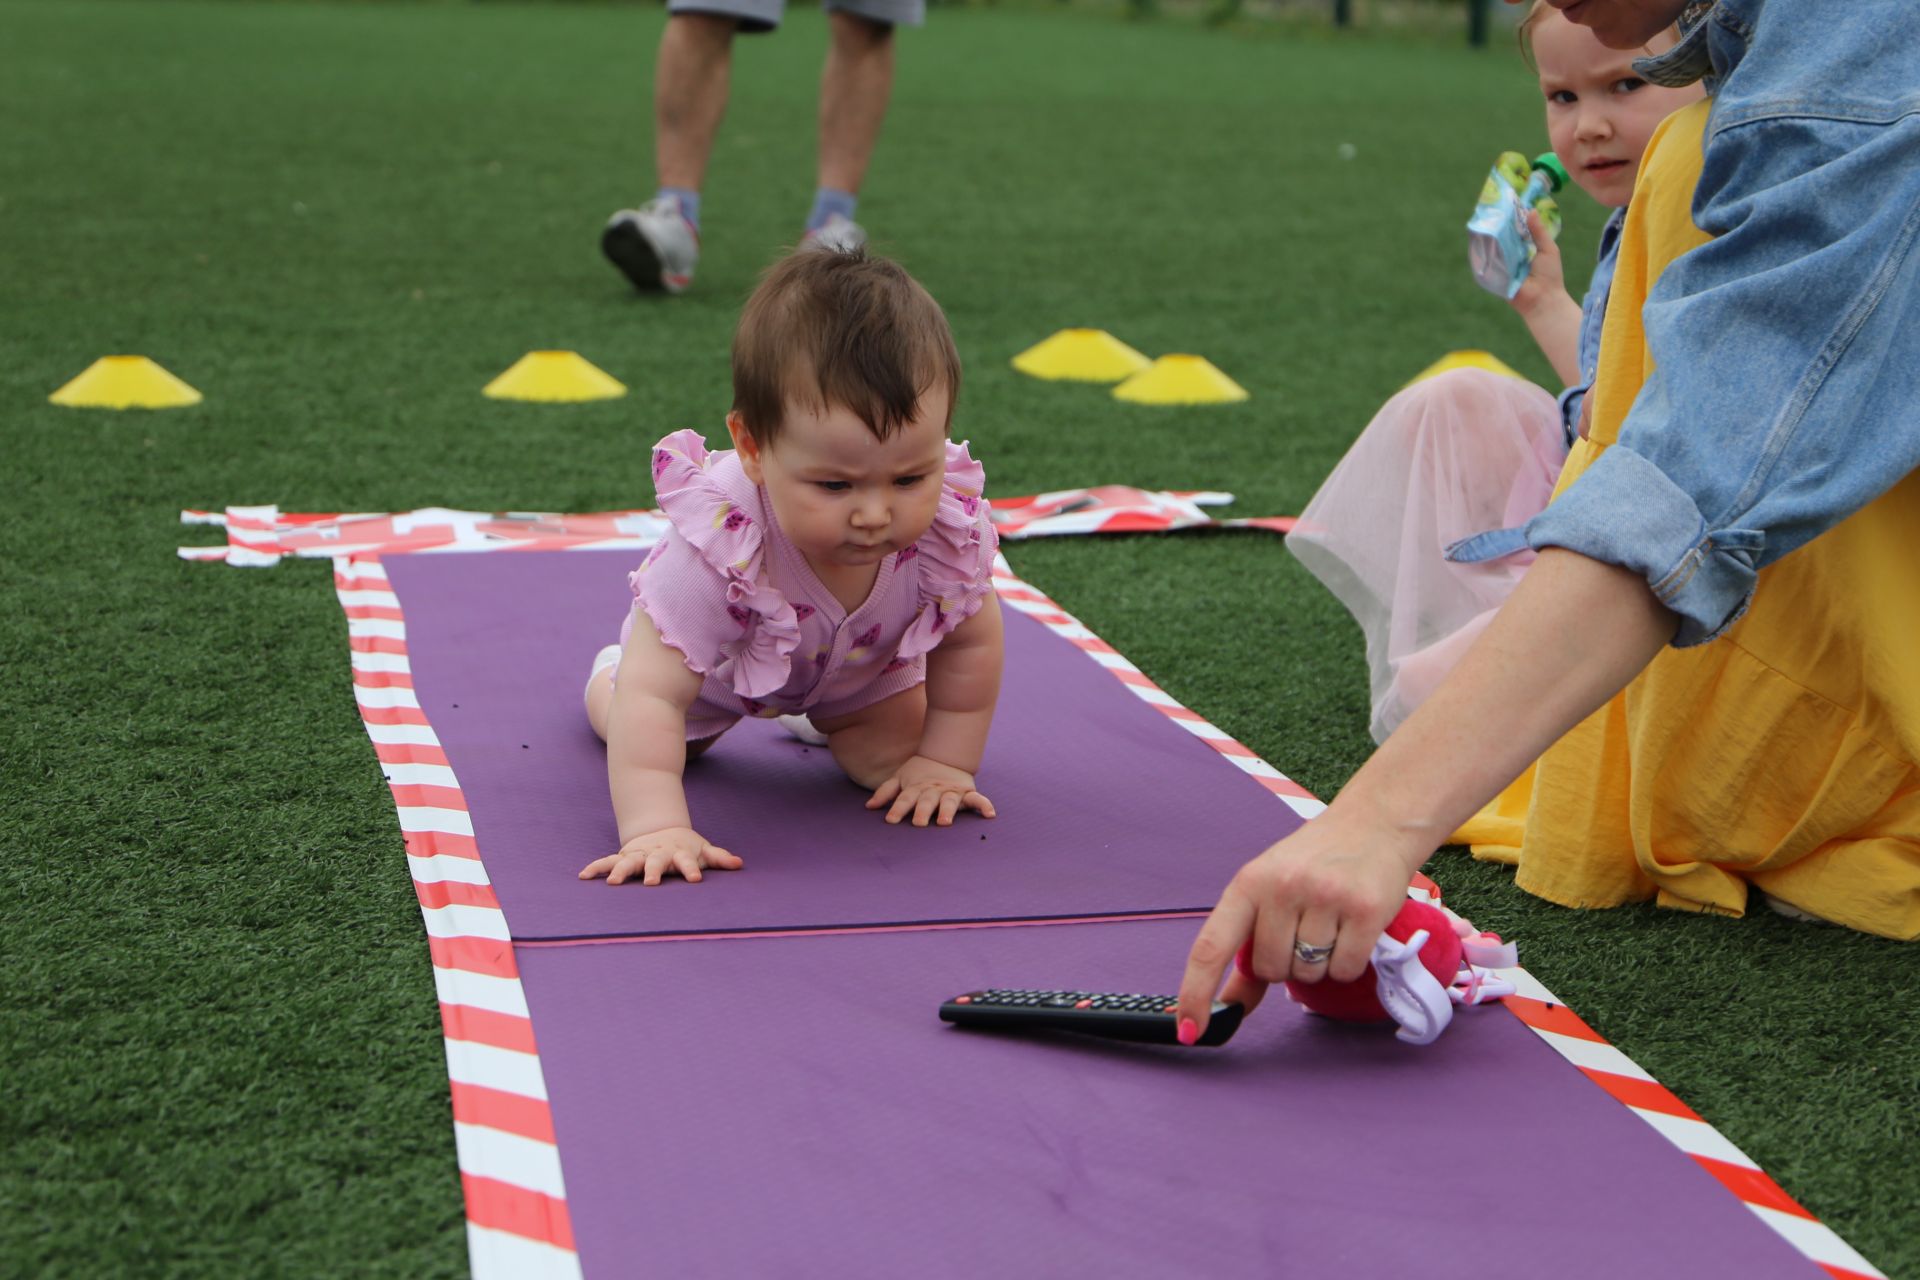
(1470, 451)
(836, 562)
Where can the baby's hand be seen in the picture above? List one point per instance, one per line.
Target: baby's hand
(658, 853)
(928, 789)
(1548, 278)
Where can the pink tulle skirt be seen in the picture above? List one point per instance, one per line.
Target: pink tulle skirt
(1449, 457)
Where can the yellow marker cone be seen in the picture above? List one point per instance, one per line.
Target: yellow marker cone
(1081, 355)
(1180, 380)
(554, 376)
(1464, 360)
(125, 382)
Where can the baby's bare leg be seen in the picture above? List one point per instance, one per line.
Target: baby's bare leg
(872, 743)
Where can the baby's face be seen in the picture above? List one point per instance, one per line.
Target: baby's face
(846, 499)
(1599, 113)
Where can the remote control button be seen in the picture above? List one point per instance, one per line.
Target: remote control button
(1082, 1004)
(963, 999)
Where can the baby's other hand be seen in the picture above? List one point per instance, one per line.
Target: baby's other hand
(930, 791)
(1547, 278)
(674, 851)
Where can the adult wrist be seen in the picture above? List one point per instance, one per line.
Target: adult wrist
(1374, 823)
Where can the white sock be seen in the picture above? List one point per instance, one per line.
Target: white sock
(607, 657)
(802, 728)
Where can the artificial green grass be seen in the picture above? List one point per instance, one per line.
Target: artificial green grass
(218, 1032)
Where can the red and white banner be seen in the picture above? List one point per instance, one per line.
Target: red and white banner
(260, 537)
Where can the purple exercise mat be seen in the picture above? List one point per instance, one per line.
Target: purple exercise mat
(790, 1106)
(1106, 806)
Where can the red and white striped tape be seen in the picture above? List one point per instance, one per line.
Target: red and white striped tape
(517, 1222)
(1679, 1124)
(261, 537)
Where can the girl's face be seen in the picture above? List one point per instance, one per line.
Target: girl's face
(1599, 113)
(845, 499)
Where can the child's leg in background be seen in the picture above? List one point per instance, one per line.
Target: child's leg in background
(872, 743)
(1463, 453)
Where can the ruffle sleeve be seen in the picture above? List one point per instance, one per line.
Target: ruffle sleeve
(708, 597)
(955, 556)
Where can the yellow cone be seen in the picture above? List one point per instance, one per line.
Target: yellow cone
(1464, 360)
(1180, 380)
(1081, 355)
(125, 382)
(554, 376)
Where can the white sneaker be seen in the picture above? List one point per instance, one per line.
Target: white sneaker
(802, 728)
(838, 234)
(654, 246)
(1781, 907)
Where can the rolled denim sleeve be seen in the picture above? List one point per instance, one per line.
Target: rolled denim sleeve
(1786, 385)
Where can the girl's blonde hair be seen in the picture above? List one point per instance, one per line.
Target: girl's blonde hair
(1523, 33)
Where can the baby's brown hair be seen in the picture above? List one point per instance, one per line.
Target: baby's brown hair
(850, 328)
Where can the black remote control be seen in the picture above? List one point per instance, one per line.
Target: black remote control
(1151, 1019)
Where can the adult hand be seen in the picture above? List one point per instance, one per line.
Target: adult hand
(676, 850)
(929, 791)
(1334, 883)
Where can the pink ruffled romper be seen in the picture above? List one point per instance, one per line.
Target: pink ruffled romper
(728, 590)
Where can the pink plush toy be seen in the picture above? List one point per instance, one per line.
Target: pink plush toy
(1427, 961)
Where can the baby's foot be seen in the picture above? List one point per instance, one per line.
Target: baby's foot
(607, 657)
(802, 728)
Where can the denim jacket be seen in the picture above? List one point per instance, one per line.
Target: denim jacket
(1593, 314)
(1786, 389)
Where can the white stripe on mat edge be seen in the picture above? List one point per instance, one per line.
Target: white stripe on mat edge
(480, 991)
(1817, 1240)
(518, 1161)
(500, 1255)
(420, 775)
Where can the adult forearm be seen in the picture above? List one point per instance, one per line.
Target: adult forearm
(1574, 633)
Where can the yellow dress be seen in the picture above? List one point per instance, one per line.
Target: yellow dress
(1780, 755)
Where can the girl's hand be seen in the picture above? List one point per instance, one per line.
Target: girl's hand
(1331, 883)
(676, 850)
(928, 790)
(1547, 281)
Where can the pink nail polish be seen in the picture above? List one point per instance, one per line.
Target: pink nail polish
(1189, 1031)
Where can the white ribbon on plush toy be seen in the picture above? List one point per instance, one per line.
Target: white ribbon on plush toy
(1415, 999)
(1411, 996)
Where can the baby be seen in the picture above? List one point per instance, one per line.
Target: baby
(835, 562)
